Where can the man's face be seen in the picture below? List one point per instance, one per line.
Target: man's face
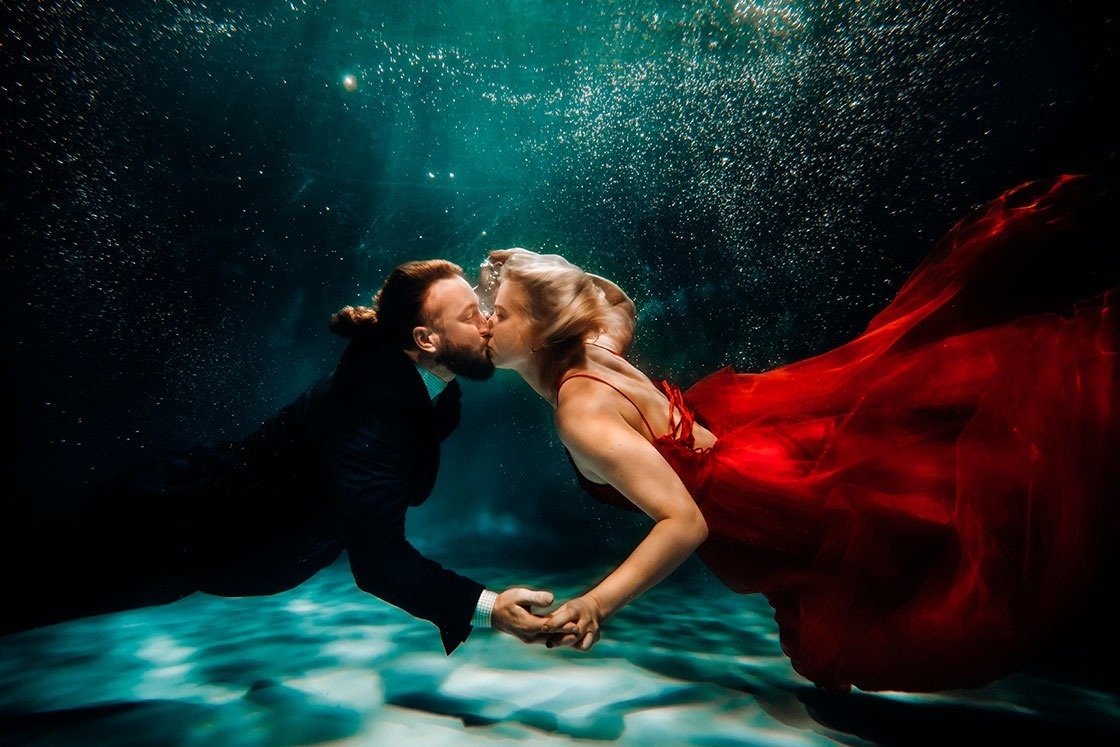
(461, 331)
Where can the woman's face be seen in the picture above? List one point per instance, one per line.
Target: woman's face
(511, 340)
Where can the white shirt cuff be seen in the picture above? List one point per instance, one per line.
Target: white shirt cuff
(484, 609)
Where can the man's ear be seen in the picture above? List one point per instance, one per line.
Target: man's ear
(426, 339)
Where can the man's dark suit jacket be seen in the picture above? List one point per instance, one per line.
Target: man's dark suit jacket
(335, 470)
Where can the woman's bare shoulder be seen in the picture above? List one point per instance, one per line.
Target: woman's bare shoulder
(584, 399)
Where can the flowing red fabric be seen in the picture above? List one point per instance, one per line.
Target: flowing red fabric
(922, 505)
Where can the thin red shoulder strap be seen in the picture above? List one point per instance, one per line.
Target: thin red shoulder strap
(612, 386)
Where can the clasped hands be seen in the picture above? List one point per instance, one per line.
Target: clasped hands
(576, 623)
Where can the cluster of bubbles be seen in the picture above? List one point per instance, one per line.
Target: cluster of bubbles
(792, 160)
(203, 184)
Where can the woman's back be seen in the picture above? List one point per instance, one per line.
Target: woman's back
(608, 380)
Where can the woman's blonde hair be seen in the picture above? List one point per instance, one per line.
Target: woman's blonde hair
(566, 306)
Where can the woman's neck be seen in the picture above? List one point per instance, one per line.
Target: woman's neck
(531, 371)
(541, 378)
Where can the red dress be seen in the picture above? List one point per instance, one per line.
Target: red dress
(921, 505)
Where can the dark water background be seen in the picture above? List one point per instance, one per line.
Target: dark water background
(190, 189)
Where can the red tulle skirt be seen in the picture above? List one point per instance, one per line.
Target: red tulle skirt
(924, 504)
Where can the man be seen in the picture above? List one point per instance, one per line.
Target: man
(335, 470)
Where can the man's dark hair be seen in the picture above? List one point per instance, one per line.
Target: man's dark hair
(398, 307)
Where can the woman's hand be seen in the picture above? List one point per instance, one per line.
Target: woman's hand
(576, 623)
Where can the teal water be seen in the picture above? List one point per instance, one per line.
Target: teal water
(325, 663)
(191, 188)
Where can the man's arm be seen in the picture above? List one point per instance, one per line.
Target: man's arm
(387, 566)
(371, 474)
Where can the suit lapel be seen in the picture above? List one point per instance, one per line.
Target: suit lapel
(446, 410)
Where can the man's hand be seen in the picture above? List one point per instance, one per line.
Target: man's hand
(513, 613)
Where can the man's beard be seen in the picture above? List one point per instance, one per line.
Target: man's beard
(469, 362)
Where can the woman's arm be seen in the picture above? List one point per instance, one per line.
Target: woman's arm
(607, 448)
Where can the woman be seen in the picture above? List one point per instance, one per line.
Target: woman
(920, 506)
